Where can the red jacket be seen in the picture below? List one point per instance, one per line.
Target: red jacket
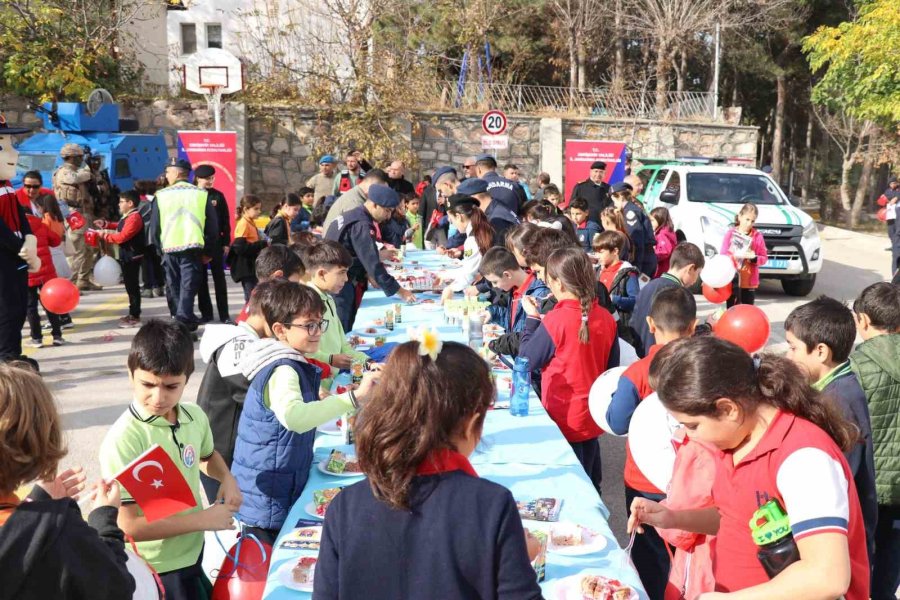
(568, 367)
(23, 198)
(45, 239)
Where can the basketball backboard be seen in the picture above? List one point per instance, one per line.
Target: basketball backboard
(212, 68)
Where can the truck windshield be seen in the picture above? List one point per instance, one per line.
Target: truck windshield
(733, 188)
(36, 162)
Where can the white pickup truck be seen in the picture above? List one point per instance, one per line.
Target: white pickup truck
(703, 201)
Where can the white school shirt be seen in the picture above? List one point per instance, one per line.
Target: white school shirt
(471, 262)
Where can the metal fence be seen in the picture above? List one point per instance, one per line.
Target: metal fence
(597, 102)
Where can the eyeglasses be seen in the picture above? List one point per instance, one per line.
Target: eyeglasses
(468, 166)
(311, 328)
(31, 187)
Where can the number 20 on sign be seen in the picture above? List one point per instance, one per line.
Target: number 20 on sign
(494, 122)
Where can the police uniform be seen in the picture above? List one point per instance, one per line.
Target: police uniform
(640, 231)
(500, 217)
(216, 263)
(355, 230)
(505, 191)
(184, 227)
(71, 185)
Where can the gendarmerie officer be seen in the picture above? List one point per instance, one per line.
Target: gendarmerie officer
(500, 217)
(595, 191)
(505, 191)
(639, 228)
(355, 230)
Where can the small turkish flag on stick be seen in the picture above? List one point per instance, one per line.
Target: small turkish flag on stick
(156, 484)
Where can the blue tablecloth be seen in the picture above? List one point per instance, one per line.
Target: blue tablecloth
(528, 455)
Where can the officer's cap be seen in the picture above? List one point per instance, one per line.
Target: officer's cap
(462, 201)
(598, 164)
(179, 163)
(440, 172)
(620, 187)
(384, 196)
(472, 186)
(204, 171)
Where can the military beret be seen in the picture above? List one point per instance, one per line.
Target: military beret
(598, 164)
(204, 171)
(384, 196)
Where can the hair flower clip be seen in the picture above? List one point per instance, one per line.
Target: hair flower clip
(429, 343)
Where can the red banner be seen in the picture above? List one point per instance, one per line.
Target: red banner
(217, 149)
(581, 153)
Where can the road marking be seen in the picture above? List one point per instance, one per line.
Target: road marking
(91, 316)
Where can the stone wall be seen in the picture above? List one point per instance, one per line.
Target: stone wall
(276, 142)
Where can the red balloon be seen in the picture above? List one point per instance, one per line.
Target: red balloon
(60, 296)
(745, 325)
(717, 295)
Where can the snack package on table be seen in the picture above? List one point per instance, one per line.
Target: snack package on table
(540, 509)
(322, 498)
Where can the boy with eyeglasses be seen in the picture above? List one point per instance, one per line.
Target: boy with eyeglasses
(274, 448)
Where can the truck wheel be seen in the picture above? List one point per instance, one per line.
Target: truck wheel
(799, 287)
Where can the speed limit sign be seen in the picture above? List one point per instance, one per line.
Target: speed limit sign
(494, 122)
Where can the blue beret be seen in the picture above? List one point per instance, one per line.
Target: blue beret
(327, 159)
(472, 185)
(384, 196)
(440, 172)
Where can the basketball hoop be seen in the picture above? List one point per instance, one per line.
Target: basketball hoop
(213, 72)
(213, 94)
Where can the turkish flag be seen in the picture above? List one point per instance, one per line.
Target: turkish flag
(156, 484)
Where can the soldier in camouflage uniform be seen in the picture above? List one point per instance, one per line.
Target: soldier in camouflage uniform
(70, 184)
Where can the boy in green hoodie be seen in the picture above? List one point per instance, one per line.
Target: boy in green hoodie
(326, 269)
(876, 363)
(415, 222)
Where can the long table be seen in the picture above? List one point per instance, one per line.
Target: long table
(528, 455)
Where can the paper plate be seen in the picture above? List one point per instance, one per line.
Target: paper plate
(311, 511)
(594, 542)
(650, 440)
(324, 463)
(287, 580)
(600, 396)
(364, 331)
(330, 428)
(569, 588)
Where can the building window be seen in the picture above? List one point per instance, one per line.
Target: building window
(188, 38)
(213, 35)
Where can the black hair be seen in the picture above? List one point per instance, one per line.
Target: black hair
(487, 162)
(824, 321)
(674, 310)
(376, 175)
(538, 210)
(305, 190)
(542, 243)
(278, 257)
(33, 175)
(692, 374)
(510, 166)
(132, 196)
(579, 204)
(880, 301)
(497, 260)
(49, 204)
(551, 189)
(326, 254)
(686, 254)
(288, 299)
(162, 348)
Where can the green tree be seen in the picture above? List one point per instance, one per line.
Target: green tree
(63, 49)
(859, 63)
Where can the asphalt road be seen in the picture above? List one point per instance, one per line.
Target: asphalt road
(90, 379)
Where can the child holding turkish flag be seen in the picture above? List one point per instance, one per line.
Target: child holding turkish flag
(159, 364)
(46, 548)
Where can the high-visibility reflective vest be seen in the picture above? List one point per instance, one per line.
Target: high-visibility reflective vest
(182, 217)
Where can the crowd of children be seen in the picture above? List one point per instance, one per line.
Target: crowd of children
(815, 431)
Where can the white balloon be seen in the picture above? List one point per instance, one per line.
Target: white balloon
(719, 271)
(145, 583)
(107, 271)
(650, 441)
(600, 396)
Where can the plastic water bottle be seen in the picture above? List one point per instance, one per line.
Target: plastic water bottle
(521, 388)
(771, 530)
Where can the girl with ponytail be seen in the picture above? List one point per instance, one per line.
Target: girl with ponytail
(465, 215)
(423, 511)
(774, 438)
(571, 346)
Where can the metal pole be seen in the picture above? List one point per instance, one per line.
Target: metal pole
(716, 75)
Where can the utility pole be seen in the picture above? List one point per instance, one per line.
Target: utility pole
(718, 55)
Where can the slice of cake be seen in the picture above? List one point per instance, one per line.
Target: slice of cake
(304, 570)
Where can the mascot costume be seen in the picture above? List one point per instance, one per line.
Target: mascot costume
(18, 250)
